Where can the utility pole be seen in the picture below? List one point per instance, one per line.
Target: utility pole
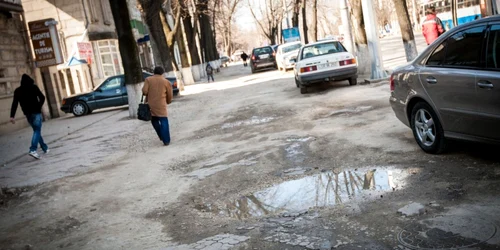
(346, 26)
(370, 18)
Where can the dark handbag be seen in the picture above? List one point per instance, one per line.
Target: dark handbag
(144, 112)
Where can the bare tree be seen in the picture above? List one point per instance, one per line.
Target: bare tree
(314, 31)
(304, 22)
(171, 34)
(406, 29)
(271, 14)
(151, 13)
(360, 38)
(206, 31)
(129, 53)
(296, 11)
(224, 16)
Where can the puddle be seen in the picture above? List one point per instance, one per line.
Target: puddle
(316, 191)
(255, 120)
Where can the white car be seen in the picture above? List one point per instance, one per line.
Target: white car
(324, 61)
(286, 53)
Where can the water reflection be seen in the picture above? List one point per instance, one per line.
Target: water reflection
(321, 190)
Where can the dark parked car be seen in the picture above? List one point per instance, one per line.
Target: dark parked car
(263, 57)
(110, 93)
(452, 89)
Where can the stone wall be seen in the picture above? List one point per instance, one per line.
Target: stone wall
(14, 61)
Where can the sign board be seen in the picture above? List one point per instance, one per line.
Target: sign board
(45, 42)
(85, 51)
(291, 35)
(11, 5)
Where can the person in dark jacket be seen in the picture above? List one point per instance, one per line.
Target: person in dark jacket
(244, 57)
(432, 27)
(31, 99)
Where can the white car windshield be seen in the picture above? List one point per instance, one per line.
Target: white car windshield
(322, 49)
(291, 48)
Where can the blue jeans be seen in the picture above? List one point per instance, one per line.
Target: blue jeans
(160, 124)
(35, 120)
(210, 76)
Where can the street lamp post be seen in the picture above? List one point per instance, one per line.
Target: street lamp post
(370, 18)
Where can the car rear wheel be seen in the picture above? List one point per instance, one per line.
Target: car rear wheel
(427, 129)
(303, 90)
(79, 109)
(253, 70)
(353, 81)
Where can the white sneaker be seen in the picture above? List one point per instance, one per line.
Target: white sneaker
(34, 154)
(46, 151)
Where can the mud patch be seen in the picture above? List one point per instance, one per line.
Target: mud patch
(7, 195)
(208, 171)
(61, 227)
(316, 191)
(447, 232)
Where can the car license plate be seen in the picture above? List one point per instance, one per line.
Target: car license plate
(328, 65)
(263, 56)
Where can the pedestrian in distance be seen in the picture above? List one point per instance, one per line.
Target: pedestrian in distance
(159, 94)
(31, 99)
(244, 57)
(210, 72)
(432, 27)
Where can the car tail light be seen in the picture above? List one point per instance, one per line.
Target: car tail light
(63, 101)
(308, 69)
(392, 83)
(175, 84)
(347, 62)
(274, 53)
(253, 57)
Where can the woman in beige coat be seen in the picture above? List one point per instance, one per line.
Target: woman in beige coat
(158, 92)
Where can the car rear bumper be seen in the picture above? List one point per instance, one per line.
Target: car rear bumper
(399, 109)
(331, 75)
(264, 65)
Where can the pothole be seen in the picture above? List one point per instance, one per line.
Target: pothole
(447, 232)
(350, 111)
(315, 191)
(255, 120)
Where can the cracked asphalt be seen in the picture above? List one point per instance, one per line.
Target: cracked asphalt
(253, 164)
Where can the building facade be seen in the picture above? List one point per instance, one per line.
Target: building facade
(88, 43)
(14, 61)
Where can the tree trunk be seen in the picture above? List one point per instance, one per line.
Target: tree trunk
(406, 29)
(151, 10)
(190, 30)
(296, 10)
(304, 23)
(171, 35)
(315, 21)
(363, 54)
(129, 53)
(207, 34)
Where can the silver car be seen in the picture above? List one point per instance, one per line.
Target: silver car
(452, 89)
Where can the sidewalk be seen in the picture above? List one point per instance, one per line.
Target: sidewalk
(16, 145)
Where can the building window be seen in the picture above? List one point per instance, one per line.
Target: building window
(110, 59)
